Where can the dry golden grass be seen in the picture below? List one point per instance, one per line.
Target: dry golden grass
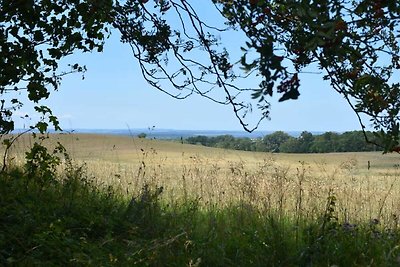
(288, 183)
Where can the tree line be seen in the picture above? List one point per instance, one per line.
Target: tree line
(306, 142)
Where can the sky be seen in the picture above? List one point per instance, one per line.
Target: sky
(114, 95)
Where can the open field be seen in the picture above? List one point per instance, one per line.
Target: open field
(215, 208)
(285, 183)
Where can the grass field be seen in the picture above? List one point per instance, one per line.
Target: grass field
(288, 183)
(135, 202)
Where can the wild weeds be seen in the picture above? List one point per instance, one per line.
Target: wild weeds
(298, 190)
(201, 212)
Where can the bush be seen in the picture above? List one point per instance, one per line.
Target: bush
(142, 135)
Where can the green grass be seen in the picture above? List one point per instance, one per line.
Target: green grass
(72, 221)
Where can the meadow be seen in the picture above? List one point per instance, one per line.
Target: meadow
(126, 201)
(290, 183)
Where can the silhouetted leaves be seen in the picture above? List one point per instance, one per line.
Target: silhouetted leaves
(34, 37)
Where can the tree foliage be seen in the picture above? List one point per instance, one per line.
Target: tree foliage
(272, 142)
(353, 43)
(34, 37)
(281, 142)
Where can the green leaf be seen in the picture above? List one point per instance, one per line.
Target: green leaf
(37, 91)
(292, 94)
(41, 126)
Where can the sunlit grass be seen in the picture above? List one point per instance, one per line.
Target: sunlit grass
(136, 202)
(288, 183)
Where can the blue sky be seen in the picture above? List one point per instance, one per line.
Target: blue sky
(114, 95)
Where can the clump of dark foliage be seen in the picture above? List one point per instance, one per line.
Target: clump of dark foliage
(306, 142)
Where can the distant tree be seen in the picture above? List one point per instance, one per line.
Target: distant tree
(354, 43)
(354, 141)
(226, 141)
(302, 144)
(200, 139)
(245, 144)
(223, 141)
(306, 140)
(275, 140)
(259, 145)
(292, 145)
(279, 141)
(327, 142)
(142, 135)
